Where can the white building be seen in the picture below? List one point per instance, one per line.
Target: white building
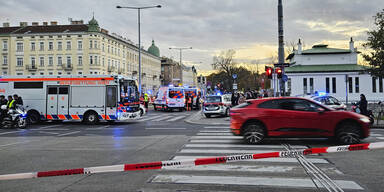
(189, 75)
(330, 70)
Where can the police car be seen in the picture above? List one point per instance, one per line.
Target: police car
(328, 101)
(217, 105)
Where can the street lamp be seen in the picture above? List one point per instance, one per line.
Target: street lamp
(138, 21)
(181, 55)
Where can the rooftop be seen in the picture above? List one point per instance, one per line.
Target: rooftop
(325, 68)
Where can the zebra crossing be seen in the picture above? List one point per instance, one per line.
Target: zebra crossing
(250, 175)
(162, 117)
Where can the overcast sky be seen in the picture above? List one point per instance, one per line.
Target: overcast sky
(209, 26)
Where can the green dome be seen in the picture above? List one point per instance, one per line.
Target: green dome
(154, 50)
(93, 26)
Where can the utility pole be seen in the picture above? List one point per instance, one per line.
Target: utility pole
(281, 44)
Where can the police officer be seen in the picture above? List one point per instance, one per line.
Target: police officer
(18, 100)
(146, 100)
(11, 103)
(3, 101)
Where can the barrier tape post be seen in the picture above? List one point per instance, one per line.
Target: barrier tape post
(193, 162)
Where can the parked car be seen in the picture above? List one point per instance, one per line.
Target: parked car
(295, 117)
(217, 105)
(330, 101)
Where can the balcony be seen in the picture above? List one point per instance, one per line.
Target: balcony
(4, 66)
(31, 67)
(67, 67)
(111, 68)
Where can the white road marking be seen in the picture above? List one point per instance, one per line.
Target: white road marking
(49, 126)
(162, 118)
(215, 131)
(381, 138)
(216, 137)
(164, 128)
(242, 146)
(176, 118)
(215, 134)
(5, 133)
(213, 151)
(242, 168)
(70, 133)
(376, 135)
(254, 181)
(46, 132)
(217, 127)
(215, 141)
(14, 143)
(54, 129)
(149, 118)
(270, 160)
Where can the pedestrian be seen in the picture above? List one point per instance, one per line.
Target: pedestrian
(242, 98)
(3, 100)
(233, 99)
(146, 101)
(186, 102)
(3, 112)
(265, 93)
(190, 102)
(363, 105)
(18, 100)
(198, 101)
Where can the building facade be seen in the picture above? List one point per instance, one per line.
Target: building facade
(189, 76)
(171, 72)
(332, 71)
(74, 49)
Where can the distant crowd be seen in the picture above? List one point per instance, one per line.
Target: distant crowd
(238, 98)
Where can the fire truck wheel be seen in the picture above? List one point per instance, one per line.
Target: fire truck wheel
(33, 117)
(91, 118)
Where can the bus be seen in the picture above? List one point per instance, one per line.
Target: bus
(89, 98)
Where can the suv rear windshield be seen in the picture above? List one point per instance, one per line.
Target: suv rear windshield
(213, 99)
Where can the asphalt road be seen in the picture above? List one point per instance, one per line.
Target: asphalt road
(164, 136)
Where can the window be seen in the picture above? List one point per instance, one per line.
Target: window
(373, 84)
(19, 73)
(5, 60)
(333, 84)
(102, 47)
(357, 85)
(50, 61)
(103, 61)
(59, 73)
(5, 45)
(50, 73)
(52, 90)
(50, 45)
(33, 46)
(95, 60)
(111, 96)
(79, 73)
(63, 90)
(91, 60)
(41, 61)
(350, 85)
(19, 47)
(380, 85)
(41, 46)
(311, 85)
(68, 45)
(69, 61)
(33, 62)
(305, 85)
(28, 85)
(80, 45)
(59, 45)
(90, 44)
(41, 73)
(20, 61)
(109, 48)
(59, 60)
(80, 60)
(95, 44)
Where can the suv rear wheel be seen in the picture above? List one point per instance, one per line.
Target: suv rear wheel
(254, 133)
(349, 133)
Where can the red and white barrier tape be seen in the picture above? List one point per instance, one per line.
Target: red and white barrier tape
(193, 162)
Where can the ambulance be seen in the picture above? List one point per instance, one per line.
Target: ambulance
(88, 98)
(170, 98)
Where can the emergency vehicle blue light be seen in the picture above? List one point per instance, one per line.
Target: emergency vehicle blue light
(218, 94)
(149, 92)
(321, 93)
(118, 114)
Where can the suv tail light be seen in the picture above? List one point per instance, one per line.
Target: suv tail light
(221, 104)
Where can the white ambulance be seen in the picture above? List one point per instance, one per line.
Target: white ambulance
(169, 98)
(78, 98)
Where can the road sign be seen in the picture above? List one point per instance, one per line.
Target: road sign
(234, 76)
(285, 78)
(235, 86)
(281, 64)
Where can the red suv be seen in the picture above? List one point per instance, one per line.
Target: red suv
(295, 117)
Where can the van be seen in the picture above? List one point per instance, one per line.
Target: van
(169, 98)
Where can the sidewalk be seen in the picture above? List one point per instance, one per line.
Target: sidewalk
(199, 118)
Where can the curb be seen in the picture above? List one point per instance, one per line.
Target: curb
(189, 120)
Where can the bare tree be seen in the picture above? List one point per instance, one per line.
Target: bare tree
(224, 63)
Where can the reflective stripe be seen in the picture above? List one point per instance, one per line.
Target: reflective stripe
(76, 117)
(103, 116)
(49, 117)
(61, 117)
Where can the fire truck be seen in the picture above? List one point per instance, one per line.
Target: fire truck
(88, 98)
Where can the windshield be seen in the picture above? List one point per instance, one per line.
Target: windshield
(213, 99)
(128, 91)
(175, 93)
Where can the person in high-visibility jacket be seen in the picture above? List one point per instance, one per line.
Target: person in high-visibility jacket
(146, 101)
(11, 103)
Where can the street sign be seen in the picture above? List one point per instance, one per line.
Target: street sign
(234, 76)
(235, 86)
(285, 78)
(281, 64)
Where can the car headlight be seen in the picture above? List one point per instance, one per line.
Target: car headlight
(365, 120)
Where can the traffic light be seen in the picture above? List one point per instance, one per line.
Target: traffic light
(279, 73)
(268, 72)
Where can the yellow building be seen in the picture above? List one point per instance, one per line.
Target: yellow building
(75, 49)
